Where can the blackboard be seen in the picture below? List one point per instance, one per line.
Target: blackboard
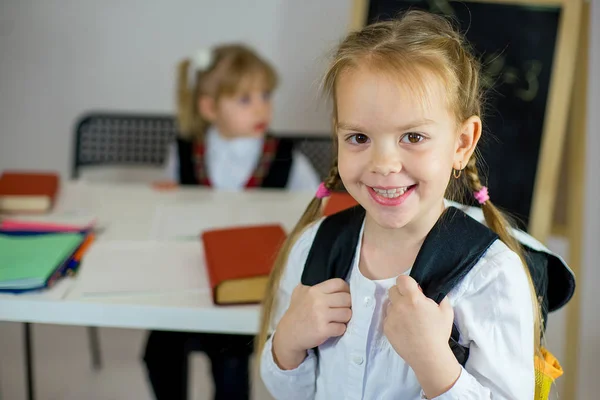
(516, 46)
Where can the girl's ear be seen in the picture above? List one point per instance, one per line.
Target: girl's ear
(466, 141)
(207, 108)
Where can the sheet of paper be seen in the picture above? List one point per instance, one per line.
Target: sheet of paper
(177, 223)
(184, 222)
(142, 267)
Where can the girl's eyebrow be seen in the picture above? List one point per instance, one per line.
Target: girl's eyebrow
(350, 126)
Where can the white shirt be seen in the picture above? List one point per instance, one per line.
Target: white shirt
(493, 313)
(231, 162)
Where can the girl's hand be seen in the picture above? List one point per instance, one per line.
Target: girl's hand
(418, 329)
(165, 185)
(315, 314)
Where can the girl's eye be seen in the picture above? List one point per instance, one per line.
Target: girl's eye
(358, 138)
(412, 138)
(267, 96)
(245, 99)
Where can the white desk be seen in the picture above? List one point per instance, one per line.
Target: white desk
(127, 213)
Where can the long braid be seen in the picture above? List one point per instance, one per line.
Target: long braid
(333, 180)
(312, 213)
(494, 218)
(499, 223)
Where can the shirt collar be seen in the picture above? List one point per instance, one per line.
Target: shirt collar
(239, 145)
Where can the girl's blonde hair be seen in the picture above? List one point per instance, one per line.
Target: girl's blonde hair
(413, 47)
(230, 68)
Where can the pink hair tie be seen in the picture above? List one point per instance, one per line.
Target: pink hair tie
(322, 191)
(482, 195)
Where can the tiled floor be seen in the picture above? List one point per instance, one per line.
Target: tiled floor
(63, 370)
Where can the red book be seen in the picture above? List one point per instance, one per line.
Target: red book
(338, 201)
(28, 191)
(239, 261)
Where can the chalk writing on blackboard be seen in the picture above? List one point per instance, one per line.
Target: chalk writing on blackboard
(495, 72)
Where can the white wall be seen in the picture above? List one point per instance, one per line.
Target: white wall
(61, 58)
(589, 281)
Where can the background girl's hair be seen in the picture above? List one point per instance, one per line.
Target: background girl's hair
(413, 47)
(231, 68)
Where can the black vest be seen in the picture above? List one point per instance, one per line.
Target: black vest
(276, 176)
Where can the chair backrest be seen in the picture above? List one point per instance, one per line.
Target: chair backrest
(122, 140)
(318, 150)
(113, 139)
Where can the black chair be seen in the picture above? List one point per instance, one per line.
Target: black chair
(107, 139)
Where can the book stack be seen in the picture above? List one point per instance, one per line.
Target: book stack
(239, 261)
(34, 255)
(28, 192)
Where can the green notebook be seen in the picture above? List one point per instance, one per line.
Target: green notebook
(27, 262)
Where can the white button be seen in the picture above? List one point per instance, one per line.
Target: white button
(368, 300)
(358, 360)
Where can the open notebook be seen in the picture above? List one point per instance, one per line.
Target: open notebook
(31, 262)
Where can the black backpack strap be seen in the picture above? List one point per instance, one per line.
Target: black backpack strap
(332, 252)
(461, 353)
(450, 250)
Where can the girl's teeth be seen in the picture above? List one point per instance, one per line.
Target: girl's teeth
(391, 193)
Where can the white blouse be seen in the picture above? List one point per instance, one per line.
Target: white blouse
(493, 313)
(231, 162)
